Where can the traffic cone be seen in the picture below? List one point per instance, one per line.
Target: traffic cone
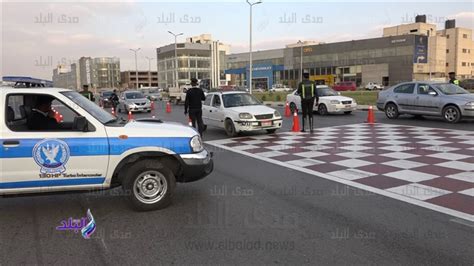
(168, 107)
(287, 110)
(130, 115)
(60, 118)
(113, 111)
(296, 123)
(152, 105)
(190, 122)
(370, 115)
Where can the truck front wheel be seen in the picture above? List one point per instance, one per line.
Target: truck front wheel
(150, 185)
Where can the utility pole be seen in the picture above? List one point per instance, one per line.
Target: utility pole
(136, 65)
(250, 48)
(149, 69)
(176, 57)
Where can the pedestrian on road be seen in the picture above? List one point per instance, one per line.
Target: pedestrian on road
(452, 78)
(114, 99)
(86, 93)
(193, 103)
(308, 93)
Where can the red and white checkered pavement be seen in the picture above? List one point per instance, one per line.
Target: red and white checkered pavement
(433, 168)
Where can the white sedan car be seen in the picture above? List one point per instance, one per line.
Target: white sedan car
(330, 102)
(237, 111)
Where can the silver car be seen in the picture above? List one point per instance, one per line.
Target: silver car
(427, 98)
(133, 101)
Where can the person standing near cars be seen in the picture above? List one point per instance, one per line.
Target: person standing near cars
(114, 99)
(452, 78)
(86, 93)
(193, 103)
(308, 93)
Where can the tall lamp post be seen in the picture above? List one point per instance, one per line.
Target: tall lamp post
(149, 69)
(250, 49)
(176, 57)
(301, 60)
(136, 65)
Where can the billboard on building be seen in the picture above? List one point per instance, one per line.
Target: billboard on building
(420, 55)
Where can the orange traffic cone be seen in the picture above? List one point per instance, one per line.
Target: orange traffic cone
(60, 118)
(190, 122)
(287, 110)
(130, 115)
(370, 115)
(152, 105)
(113, 111)
(168, 107)
(296, 123)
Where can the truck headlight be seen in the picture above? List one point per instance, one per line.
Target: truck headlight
(196, 144)
(335, 102)
(245, 116)
(277, 114)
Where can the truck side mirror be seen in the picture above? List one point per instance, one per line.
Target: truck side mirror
(80, 124)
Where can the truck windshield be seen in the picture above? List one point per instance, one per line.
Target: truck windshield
(90, 107)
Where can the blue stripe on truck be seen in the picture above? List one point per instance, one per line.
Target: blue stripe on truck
(100, 146)
(53, 183)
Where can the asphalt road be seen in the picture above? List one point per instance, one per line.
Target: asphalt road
(246, 212)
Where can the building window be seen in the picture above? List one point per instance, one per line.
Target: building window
(464, 36)
(447, 36)
(463, 64)
(464, 51)
(413, 30)
(447, 51)
(447, 64)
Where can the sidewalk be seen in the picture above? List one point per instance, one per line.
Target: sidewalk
(282, 104)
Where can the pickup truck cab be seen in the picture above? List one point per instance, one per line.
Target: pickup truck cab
(90, 149)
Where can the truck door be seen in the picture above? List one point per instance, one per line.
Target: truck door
(51, 159)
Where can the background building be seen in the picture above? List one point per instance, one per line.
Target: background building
(145, 79)
(415, 51)
(98, 73)
(199, 57)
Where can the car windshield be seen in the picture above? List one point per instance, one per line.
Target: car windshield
(450, 89)
(326, 92)
(153, 91)
(134, 95)
(107, 94)
(239, 99)
(90, 107)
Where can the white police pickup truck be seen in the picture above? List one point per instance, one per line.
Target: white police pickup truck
(92, 149)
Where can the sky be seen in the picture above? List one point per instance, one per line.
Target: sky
(38, 35)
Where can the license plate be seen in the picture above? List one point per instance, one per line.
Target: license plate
(348, 106)
(266, 123)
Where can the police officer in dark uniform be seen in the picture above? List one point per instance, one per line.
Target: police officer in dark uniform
(193, 103)
(308, 93)
(452, 78)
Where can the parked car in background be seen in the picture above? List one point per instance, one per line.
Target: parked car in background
(467, 84)
(373, 86)
(345, 86)
(280, 88)
(236, 111)
(330, 102)
(427, 98)
(133, 101)
(152, 93)
(104, 99)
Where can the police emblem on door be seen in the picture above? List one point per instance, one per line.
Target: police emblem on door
(51, 155)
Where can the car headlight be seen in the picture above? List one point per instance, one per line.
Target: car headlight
(131, 105)
(245, 116)
(277, 114)
(471, 104)
(196, 144)
(335, 102)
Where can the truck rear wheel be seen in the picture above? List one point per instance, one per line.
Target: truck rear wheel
(150, 185)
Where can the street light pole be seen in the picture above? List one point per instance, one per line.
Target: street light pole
(176, 57)
(250, 48)
(149, 69)
(301, 60)
(136, 66)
